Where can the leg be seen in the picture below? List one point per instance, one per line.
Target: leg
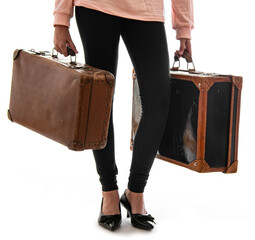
(100, 35)
(147, 46)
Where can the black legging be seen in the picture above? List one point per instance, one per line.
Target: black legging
(146, 44)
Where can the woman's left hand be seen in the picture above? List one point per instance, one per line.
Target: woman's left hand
(184, 44)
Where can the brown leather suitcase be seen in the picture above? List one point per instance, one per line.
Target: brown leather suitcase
(203, 120)
(67, 102)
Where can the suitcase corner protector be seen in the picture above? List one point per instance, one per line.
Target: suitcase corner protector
(16, 53)
(9, 115)
(232, 168)
(110, 78)
(199, 165)
(102, 144)
(238, 81)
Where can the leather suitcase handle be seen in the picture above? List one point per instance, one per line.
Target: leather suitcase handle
(70, 51)
(188, 58)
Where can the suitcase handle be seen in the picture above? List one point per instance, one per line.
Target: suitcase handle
(71, 64)
(188, 58)
(70, 52)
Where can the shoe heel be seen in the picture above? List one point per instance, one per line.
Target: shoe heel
(137, 220)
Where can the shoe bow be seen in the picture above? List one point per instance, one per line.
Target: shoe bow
(142, 217)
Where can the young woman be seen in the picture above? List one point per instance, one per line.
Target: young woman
(140, 23)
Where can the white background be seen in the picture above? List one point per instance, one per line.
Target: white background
(49, 192)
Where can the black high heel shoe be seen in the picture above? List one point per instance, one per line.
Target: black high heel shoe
(110, 222)
(137, 220)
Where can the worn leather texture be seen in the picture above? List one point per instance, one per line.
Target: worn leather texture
(69, 106)
(201, 133)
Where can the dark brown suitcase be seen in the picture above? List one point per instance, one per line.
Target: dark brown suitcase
(203, 120)
(67, 102)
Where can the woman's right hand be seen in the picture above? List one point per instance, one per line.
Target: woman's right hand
(61, 38)
(184, 44)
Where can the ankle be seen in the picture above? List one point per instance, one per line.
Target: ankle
(133, 195)
(136, 201)
(111, 194)
(110, 202)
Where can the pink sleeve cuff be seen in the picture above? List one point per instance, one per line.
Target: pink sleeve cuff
(61, 19)
(183, 32)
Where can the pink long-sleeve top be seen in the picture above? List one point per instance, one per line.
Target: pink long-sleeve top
(146, 10)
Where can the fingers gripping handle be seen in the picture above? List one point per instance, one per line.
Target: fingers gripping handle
(70, 52)
(188, 58)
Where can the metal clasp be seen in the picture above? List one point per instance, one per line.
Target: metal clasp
(73, 62)
(54, 55)
(43, 53)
